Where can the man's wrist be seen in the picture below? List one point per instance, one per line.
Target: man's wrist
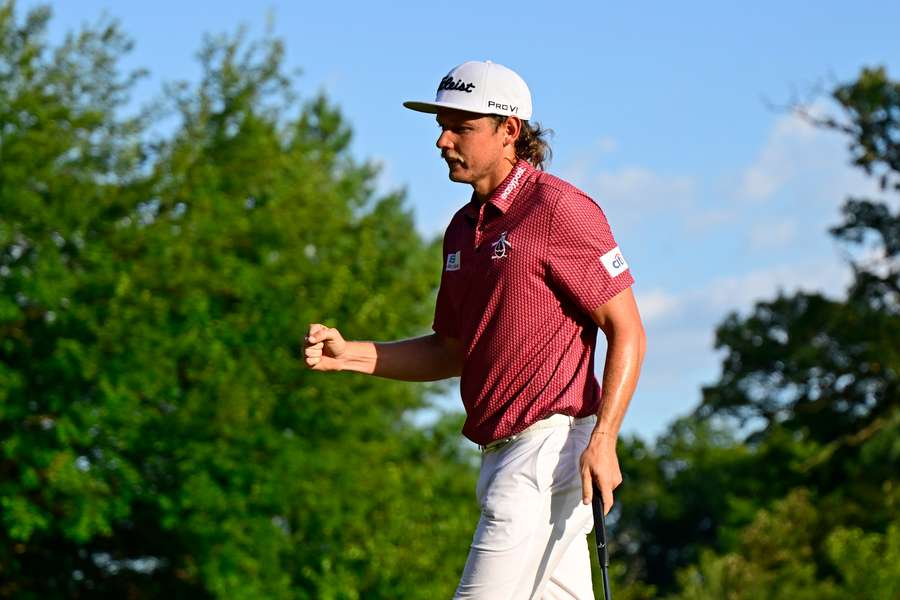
(358, 356)
(603, 433)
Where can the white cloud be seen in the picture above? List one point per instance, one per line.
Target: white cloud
(703, 306)
(741, 291)
(578, 170)
(657, 304)
(607, 145)
(771, 235)
(681, 356)
(702, 220)
(780, 159)
(641, 187)
(797, 152)
(630, 192)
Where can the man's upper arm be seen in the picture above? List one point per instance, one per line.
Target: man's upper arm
(620, 314)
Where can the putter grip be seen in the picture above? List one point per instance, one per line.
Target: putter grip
(600, 527)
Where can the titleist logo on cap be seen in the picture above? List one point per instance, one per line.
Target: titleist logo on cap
(448, 83)
(498, 90)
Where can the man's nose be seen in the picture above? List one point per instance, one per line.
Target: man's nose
(444, 141)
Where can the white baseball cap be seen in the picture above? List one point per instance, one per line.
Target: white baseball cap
(480, 87)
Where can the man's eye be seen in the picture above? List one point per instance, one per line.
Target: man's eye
(458, 129)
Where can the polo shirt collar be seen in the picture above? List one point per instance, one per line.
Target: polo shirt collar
(504, 194)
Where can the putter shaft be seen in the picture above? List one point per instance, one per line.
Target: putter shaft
(600, 537)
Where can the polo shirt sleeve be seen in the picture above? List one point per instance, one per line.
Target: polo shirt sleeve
(583, 258)
(446, 320)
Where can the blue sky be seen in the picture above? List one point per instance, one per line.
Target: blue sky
(661, 111)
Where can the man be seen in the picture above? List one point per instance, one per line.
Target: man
(531, 271)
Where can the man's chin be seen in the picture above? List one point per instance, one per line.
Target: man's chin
(457, 174)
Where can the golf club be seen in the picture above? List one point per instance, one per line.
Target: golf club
(600, 536)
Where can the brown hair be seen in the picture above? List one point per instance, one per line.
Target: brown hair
(532, 144)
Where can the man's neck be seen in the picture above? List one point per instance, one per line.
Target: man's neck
(484, 189)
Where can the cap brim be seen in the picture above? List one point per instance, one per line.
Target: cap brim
(433, 107)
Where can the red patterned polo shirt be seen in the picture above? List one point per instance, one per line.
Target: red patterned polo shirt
(522, 273)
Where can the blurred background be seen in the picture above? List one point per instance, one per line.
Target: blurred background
(185, 186)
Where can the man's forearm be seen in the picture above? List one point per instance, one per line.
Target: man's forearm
(624, 356)
(426, 358)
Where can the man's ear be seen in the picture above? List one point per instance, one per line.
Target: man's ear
(512, 128)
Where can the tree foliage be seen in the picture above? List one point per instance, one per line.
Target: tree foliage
(159, 433)
(828, 371)
(783, 483)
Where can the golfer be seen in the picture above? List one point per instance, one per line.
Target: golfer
(530, 272)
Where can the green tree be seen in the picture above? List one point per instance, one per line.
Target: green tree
(821, 378)
(159, 433)
(772, 560)
(693, 491)
(802, 423)
(868, 563)
(776, 558)
(831, 369)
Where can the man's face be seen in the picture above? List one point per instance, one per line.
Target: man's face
(471, 144)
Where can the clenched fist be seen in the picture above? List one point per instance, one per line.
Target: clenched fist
(324, 348)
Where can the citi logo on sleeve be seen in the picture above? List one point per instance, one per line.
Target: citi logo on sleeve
(448, 83)
(614, 262)
(453, 261)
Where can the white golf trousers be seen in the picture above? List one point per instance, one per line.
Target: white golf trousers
(530, 542)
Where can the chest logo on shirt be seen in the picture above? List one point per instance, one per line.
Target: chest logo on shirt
(501, 246)
(453, 261)
(614, 262)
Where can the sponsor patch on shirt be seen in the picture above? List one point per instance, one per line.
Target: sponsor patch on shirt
(513, 183)
(453, 261)
(614, 262)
